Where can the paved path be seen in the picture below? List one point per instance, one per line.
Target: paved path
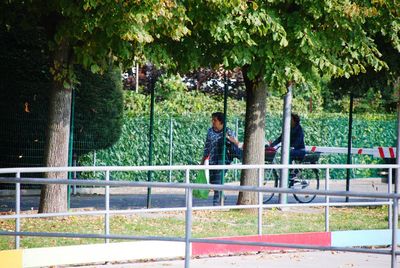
(313, 259)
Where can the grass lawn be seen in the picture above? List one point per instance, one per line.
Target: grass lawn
(205, 224)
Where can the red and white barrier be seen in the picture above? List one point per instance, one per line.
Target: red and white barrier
(383, 152)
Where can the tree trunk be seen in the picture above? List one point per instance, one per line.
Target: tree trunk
(254, 135)
(53, 197)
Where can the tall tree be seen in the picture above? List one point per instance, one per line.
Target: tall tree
(93, 33)
(279, 41)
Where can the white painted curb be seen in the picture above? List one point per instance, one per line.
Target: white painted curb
(124, 251)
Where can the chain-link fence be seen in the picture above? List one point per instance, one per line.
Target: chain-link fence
(180, 140)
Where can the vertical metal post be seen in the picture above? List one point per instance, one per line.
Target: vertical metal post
(390, 208)
(327, 177)
(397, 178)
(187, 177)
(171, 133)
(395, 204)
(349, 141)
(74, 173)
(235, 176)
(287, 110)
(151, 83)
(94, 162)
(221, 195)
(94, 158)
(394, 232)
(188, 223)
(260, 201)
(17, 210)
(137, 78)
(107, 205)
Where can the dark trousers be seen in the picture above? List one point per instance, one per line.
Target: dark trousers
(216, 178)
(297, 155)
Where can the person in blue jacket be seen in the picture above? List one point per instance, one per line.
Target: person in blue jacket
(213, 150)
(297, 147)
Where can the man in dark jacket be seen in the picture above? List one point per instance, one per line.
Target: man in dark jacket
(213, 150)
(297, 147)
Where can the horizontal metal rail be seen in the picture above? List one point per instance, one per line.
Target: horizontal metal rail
(101, 236)
(195, 167)
(158, 210)
(197, 186)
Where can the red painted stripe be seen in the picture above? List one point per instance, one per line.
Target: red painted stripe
(319, 239)
(381, 153)
(359, 151)
(391, 152)
(313, 148)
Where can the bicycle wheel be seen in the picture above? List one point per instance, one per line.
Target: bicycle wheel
(305, 179)
(270, 180)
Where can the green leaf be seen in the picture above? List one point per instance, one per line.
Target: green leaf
(94, 68)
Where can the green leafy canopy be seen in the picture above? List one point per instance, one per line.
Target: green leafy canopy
(284, 41)
(99, 32)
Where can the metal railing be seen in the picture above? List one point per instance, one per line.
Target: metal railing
(389, 198)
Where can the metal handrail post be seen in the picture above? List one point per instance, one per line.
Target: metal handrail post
(17, 210)
(390, 210)
(237, 135)
(171, 135)
(107, 205)
(394, 232)
(260, 201)
(187, 179)
(188, 223)
(327, 180)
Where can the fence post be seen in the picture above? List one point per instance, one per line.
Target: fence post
(394, 231)
(188, 222)
(17, 210)
(235, 176)
(171, 133)
(260, 201)
(74, 163)
(137, 78)
(107, 216)
(327, 175)
(390, 211)
(285, 148)
(94, 162)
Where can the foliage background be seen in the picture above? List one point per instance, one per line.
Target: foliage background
(189, 113)
(189, 134)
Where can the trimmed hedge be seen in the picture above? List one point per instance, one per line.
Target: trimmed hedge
(189, 134)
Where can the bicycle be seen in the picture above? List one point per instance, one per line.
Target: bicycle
(298, 178)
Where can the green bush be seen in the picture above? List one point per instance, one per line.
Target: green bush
(189, 135)
(99, 110)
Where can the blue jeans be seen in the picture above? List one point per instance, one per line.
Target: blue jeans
(297, 155)
(216, 178)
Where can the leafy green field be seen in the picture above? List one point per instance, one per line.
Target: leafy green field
(205, 224)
